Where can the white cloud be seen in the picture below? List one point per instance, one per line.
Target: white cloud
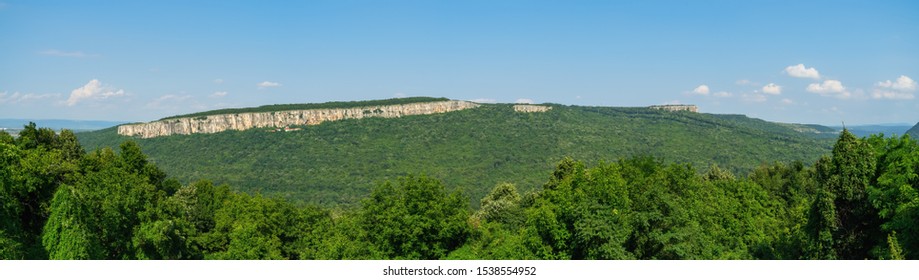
(267, 84)
(701, 90)
(219, 94)
(218, 81)
(829, 88)
(524, 101)
(903, 83)
(901, 89)
(787, 101)
(484, 100)
(704, 90)
(772, 88)
(75, 54)
(399, 95)
(93, 90)
(6, 98)
(800, 71)
(722, 94)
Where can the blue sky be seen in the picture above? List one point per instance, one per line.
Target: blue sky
(824, 62)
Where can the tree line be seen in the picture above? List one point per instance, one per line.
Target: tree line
(858, 202)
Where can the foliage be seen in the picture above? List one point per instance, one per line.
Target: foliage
(335, 164)
(858, 202)
(895, 191)
(502, 206)
(896, 252)
(847, 228)
(415, 219)
(32, 167)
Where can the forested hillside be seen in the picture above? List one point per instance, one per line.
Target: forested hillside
(914, 131)
(860, 200)
(336, 163)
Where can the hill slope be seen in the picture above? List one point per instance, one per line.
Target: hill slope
(336, 163)
(914, 132)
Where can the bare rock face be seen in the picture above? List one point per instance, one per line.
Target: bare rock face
(531, 108)
(674, 108)
(244, 121)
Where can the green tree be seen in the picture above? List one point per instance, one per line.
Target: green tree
(254, 227)
(494, 241)
(581, 213)
(662, 220)
(794, 187)
(415, 219)
(845, 178)
(6, 138)
(71, 232)
(10, 208)
(501, 205)
(896, 252)
(343, 238)
(32, 167)
(98, 216)
(895, 194)
(10, 249)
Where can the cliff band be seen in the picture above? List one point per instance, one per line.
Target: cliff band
(244, 121)
(676, 108)
(531, 108)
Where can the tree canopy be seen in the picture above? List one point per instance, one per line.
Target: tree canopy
(860, 201)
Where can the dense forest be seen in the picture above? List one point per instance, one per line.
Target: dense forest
(858, 201)
(336, 164)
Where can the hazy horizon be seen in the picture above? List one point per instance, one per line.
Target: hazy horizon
(816, 62)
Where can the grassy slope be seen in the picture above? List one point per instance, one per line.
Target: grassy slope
(336, 163)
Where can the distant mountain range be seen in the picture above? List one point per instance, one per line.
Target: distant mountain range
(75, 125)
(887, 129)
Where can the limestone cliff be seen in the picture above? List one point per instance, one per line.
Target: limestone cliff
(674, 108)
(531, 108)
(244, 121)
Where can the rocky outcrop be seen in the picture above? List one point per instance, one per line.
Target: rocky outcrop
(244, 121)
(531, 108)
(674, 108)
